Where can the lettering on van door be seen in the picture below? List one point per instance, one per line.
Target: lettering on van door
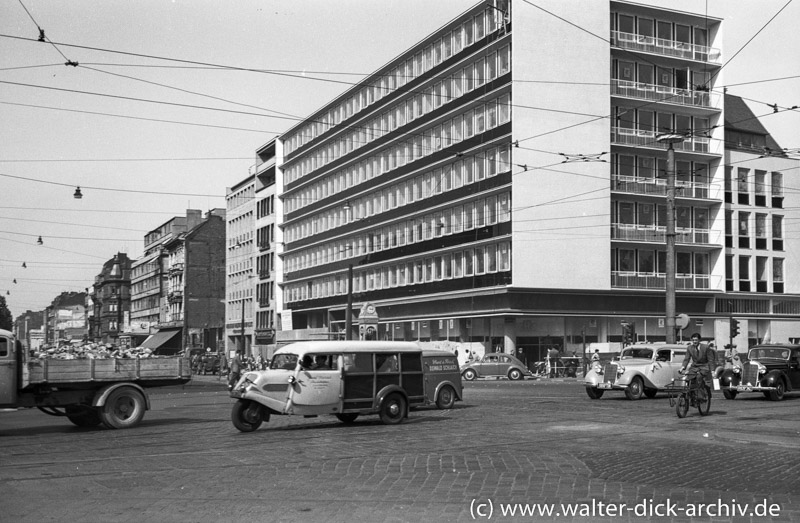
(442, 365)
(319, 383)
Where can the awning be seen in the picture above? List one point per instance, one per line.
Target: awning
(158, 339)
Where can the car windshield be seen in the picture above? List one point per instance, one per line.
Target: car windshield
(284, 362)
(637, 352)
(778, 353)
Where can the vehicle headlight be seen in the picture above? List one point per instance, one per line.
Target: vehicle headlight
(737, 370)
(620, 369)
(761, 369)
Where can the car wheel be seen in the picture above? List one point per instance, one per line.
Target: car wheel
(347, 418)
(124, 408)
(393, 409)
(594, 393)
(514, 374)
(650, 393)
(469, 375)
(729, 394)
(635, 389)
(704, 401)
(446, 398)
(682, 405)
(247, 415)
(777, 394)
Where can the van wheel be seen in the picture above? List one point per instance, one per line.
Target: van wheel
(347, 418)
(469, 375)
(446, 398)
(247, 415)
(393, 409)
(124, 408)
(514, 374)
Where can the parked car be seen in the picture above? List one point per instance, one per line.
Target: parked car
(641, 370)
(210, 363)
(495, 364)
(770, 369)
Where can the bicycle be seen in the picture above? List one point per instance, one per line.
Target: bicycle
(693, 393)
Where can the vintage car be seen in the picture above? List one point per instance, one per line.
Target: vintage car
(495, 364)
(643, 369)
(770, 369)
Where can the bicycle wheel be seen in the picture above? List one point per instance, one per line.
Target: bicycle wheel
(703, 400)
(682, 405)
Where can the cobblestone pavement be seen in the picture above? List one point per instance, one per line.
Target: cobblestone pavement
(536, 441)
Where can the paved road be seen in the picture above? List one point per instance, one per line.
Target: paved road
(525, 442)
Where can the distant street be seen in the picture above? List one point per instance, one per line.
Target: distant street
(508, 446)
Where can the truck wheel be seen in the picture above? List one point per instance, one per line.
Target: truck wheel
(393, 409)
(446, 398)
(248, 415)
(83, 416)
(124, 408)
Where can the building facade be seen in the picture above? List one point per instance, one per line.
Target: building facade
(28, 329)
(483, 191)
(240, 282)
(266, 230)
(110, 300)
(150, 279)
(196, 284)
(65, 319)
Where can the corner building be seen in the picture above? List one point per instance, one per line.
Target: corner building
(499, 185)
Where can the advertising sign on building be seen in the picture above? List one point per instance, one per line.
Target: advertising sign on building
(286, 320)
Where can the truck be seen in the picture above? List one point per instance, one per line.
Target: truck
(87, 391)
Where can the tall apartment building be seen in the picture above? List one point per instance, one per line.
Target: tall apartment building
(265, 304)
(150, 280)
(501, 183)
(240, 281)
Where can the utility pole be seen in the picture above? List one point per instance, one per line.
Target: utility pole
(670, 139)
(348, 315)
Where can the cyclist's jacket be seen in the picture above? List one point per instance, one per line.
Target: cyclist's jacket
(702, 357)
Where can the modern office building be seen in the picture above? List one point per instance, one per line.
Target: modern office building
(265, 304)
(240, 280)
(501, 184)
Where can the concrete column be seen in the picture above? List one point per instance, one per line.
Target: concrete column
(510, 336)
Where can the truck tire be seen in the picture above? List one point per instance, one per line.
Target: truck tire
(83, 416)
(123, 409)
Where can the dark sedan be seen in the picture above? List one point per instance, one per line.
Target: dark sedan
(770, 369)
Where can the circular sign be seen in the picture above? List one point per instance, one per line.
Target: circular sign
(682, 321)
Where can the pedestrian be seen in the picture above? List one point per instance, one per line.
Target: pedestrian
(554, 356)
(236, 370)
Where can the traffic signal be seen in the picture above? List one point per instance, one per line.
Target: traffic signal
(628, 334)
(734, 328)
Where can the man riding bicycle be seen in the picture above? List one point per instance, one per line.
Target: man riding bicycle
(702, 360)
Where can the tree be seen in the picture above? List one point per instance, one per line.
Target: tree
(6, 320)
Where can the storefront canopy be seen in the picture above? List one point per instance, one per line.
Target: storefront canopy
(160, 338)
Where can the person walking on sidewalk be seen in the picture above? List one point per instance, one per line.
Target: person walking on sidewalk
(236, 370)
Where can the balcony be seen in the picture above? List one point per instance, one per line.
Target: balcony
(656, 234)
(264, 246)
(657, 281)
(658, 187)
(662, 93)
(176, 295)
(660, 46)
(176, 267)
(640, 137)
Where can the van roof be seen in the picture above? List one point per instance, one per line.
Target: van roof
(302, 347)
(437, 352)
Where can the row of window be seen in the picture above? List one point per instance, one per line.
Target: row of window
(240, 197)
(450, 44)
(465, 171)
(760, 222)
(757, 181)
(150, 302)
(647, 261)
(265, 235)
(651, 75)
(411, 108)
(483, 259)
(648, 168)
(468, 216)
(628, 119)
(240, 229)
(744, 269)
(266, 263)
(265, 292)
(265, 319)
(649, 214)
(662, 29)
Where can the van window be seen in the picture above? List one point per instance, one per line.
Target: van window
(323, 362)
(284, 361)
(357, 362)
(386, 363)
(3, 347)
(411, 362)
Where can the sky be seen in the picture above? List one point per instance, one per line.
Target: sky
(170, 100)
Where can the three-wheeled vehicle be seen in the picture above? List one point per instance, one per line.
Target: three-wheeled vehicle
(344, 378)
